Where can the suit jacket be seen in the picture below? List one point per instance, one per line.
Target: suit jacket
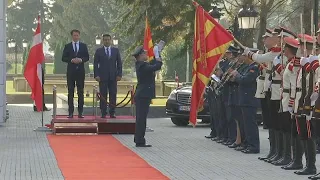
(107, 68)
(248, 86)
(146, 79)
(234, 88)
(69, 54)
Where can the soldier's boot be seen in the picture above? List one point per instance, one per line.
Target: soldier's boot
(310, 168)
(280, 148)
(272, 149)
(276, 146)
(286, 157)
(297, 151)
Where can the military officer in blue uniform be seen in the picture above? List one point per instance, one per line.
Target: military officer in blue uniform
(248, 102)
(226, 138)
(145, 92)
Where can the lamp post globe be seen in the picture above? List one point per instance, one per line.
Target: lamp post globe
(98, 40)
(24, 43)
(247, 17)
(215, 13)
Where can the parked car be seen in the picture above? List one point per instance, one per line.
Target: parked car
(178, 107)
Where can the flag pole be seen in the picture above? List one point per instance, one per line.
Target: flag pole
(42, 128)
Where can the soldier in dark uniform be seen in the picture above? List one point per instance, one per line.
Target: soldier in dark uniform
(249, 104)
(228, 129)
(145, 92)
(214, 103)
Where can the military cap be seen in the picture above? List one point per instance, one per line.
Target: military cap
(287, 33)
(232, 49)
(139, 50)
(291, 42)
(268, 33)
(276, 30)
(306, 37)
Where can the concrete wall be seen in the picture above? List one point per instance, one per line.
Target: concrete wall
(3, 6)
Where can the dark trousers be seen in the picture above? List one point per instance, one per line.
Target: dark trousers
(108, 87)
(237, 116)
(75, 79)
(275, 121)
(224, 120)
(265, 104)
(212, 109)
(232, 114)
(251, 127)
(142, 110)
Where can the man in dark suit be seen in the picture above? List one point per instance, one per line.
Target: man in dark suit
(145, 92)
(75, 54)
(107, 71)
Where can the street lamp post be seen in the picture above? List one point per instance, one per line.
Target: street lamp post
(215, 12)
(13, 44)
(115, 41)
(98, 40)
(247, 17)
(315, 13)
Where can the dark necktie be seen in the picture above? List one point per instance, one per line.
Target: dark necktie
(108, 54)
(75, 48)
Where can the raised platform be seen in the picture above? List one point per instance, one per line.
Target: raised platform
(93, 125)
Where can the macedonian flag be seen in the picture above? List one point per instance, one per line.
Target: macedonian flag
(147, 43)
(211, 41)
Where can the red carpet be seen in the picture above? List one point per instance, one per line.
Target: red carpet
(99, 157)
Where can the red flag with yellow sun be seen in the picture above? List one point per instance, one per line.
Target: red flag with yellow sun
(211, 41)
(147, 43)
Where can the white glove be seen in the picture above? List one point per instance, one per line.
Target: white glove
(304, 61)
(313, 58)
(276, 60)
(246, 51)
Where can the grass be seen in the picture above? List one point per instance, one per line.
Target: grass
(88, 100)
(49, 68)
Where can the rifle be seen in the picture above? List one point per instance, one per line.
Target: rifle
(226, 79)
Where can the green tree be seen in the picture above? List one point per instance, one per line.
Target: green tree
(59, 66)
(25, 56)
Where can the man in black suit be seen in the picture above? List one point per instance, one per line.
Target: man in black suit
(75, 54)
(107, 71)
(145, 92)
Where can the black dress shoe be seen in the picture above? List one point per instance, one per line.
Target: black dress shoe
(317, 176)
(250, 151)
(215, 139)
(80, 116)
(143, 145)
(70, 116)
(306, 171)
(34, 108)
(46, 109)
(234, 145)
(222, 141)
(240, 148)
(209, 136)
(293, 166)
(112, 116)
(228, 143)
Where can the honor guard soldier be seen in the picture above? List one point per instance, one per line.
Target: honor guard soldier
(145, 92)
(269, 108)
(249, 104)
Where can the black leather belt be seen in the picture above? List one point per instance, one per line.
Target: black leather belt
(286, 91)
(261, 77)
(268, 71)
(276, 81)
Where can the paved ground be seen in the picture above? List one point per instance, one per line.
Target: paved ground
(25, 154)
(180, 153)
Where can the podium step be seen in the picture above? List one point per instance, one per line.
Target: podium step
(90, 125)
